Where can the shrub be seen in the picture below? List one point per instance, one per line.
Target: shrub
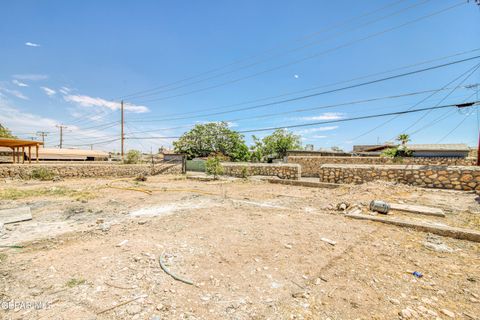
(42, 174)
(133, 157)
(244, 172)
(213, 167)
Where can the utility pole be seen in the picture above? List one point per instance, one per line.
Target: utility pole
(42, 134)
(122, 138)
(61, 127)
(466, 105)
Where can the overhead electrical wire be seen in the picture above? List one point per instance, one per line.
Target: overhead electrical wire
(322, 92)
(334, 35)
(333, 26)
(321, 107)
(470, 71)
(336, 120)
(310, 56)
(451, 92)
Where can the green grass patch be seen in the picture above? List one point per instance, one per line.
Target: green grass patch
(42, 174)
(3, 257)
(75, 282)
(15, 194)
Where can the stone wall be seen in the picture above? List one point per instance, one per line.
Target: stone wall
(84, 170)
(443, 177)
(311, 165)
(242, 169)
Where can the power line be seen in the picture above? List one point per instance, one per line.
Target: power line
(309, 57)
(333, 26)
(325, 85)
(455, 128)
(320, 93)
(451, 92)
(474, 68)
(159, 91)
(275, 114)
(463, 105)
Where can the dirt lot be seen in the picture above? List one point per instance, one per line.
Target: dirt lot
(253, 250)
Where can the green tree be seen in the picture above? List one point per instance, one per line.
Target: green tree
(212, 138)
(133, 157)
(5, 132)
(403, 138)
(275, 145)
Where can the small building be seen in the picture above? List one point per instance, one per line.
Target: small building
(46, 154)
(371, 150)
(457, 150)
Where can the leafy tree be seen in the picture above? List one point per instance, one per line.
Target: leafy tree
(133, 157)
(401, 150)
(212, 138)
(275, 145)
(403, 138)
(5, 132)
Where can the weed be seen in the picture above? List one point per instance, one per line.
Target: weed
(3, 257)
(42, 174)
(75, 282)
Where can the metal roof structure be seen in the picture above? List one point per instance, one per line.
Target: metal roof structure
(18, 144)
(438, 147)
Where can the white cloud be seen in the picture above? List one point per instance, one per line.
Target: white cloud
(49, 92)
(31, 44)
(65, 90)
(20, 84)
(87, 101)
(19, 121)
(30, 76)
(325, 116)
(14, 93)
(317, 129)
(318, 137)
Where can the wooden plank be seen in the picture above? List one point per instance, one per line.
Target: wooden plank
(302, 183)
(15, 215)
(446, 231)
(429, 211)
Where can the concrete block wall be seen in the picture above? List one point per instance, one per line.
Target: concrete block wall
(311, 165)
(75, 170)
(442, 177)
(283, 171)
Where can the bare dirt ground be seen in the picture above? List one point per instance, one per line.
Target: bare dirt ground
(253, 250)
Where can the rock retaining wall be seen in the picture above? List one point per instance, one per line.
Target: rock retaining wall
(283, 171)
(443, 177)
(311, 164)
(24, 171)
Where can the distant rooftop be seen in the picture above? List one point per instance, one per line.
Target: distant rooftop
(439, 147)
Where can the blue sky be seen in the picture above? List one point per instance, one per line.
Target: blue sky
(70, 62)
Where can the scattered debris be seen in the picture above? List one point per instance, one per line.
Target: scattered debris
(331, 242)
(164, 268)
(448, 313)
(446, 231)
(342, 206)
(435, 244)
(141, 177)
(122, 304)
(417, 274)
(124, 242)
(379, 206)
(15, 215)
(429, 211)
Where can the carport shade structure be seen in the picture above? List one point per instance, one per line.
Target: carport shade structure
(17, 144)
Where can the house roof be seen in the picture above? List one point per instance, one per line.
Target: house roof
(46, 153)
(439, 147)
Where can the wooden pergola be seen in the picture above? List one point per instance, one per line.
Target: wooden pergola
(18, 147)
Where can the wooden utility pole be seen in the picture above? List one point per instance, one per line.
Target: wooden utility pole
(42, 134)
(61, 127)
(122, 135)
